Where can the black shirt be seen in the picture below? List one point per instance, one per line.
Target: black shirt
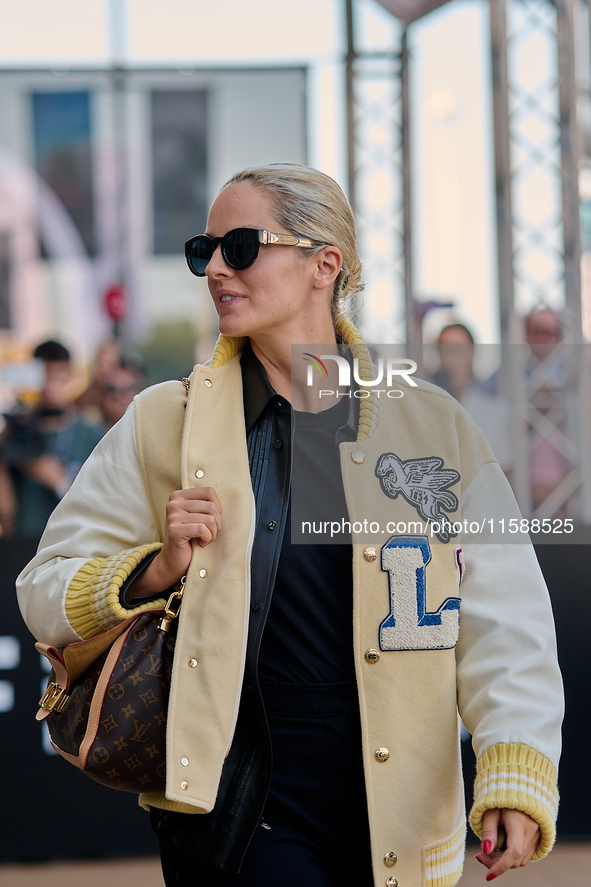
(308, 635)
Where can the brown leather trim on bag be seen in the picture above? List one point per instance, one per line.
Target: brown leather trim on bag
(98, 696)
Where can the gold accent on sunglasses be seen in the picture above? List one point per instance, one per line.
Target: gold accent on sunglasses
(283, 239)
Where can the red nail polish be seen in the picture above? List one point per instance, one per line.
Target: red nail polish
(486, 846)
(490, 877)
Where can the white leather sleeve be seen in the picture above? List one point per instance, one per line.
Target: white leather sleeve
(509, 683)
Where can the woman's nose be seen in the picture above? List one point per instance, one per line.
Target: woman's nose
(216, 265)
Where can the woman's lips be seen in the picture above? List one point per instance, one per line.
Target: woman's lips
(228, 298)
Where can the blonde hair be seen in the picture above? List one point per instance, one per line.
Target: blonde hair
(310, 204)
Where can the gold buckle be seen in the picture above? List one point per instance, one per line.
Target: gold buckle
(54, 698)
(170, 614)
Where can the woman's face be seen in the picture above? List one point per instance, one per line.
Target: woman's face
(278, 294)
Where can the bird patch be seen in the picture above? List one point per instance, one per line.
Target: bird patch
(424, 483)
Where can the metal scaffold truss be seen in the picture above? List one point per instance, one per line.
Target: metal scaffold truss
(376, 180)
(537, 142)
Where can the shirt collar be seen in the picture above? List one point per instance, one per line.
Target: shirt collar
(258, 391)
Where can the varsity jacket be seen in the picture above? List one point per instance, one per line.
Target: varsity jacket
(445, 625)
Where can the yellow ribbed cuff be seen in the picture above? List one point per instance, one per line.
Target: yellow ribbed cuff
(517, 777)
(92, 599)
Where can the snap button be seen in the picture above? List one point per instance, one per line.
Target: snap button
(370, 553)
(199, 473)
(382, 754)
(358, 456)
(192, 663)
(372, 656)
(203, 573)
(208, 383)
(184, 786)
(185, 762)
(272, 525)
(392, 882)
(390, 858)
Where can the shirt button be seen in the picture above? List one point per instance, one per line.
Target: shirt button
(278, 444)
(185, 762)
(382, 754)
(256, 605)
(390, 858)
(184, 786)
(358, 456)
(370, 553)
(372, 656)
(208, 383)
(203, 574)
(199, 473)
(272, 525)
(192, 663)
(392, 882)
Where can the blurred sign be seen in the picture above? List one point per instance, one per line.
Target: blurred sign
(411, 10)
(23, 376)
(115, 302)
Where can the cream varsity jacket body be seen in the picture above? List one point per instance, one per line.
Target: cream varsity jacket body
(437, 630)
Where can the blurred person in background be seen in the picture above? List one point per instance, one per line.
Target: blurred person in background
(545, 384)
(124, 381)
(491, 413)
(42, 449)
(107, 359)
(543, 332)
(116, 378)
(8, 503)
(312, 738)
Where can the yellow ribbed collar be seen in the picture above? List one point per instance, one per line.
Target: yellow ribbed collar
(228, 346)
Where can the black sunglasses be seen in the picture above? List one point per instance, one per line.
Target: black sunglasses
(240, 247)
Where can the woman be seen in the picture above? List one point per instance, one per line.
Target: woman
(325, 749)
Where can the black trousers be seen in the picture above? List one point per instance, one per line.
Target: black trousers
(314, 831)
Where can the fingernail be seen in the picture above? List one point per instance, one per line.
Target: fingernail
(490, 877)
(486, 846)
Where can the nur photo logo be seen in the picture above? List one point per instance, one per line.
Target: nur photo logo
(386, 371)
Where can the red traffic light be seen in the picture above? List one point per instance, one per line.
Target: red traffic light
(115, 302)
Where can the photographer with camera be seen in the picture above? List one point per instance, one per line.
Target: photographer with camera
(42, 450)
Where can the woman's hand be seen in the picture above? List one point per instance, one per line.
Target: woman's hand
(523, 834)
(190, 514)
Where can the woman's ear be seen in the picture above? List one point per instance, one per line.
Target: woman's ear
(329, 262)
